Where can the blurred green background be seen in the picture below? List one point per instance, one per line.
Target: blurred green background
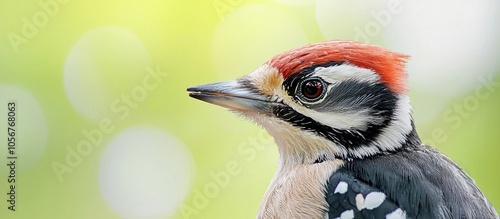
(105, 128)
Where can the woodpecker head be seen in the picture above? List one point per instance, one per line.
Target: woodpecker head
(336, 99)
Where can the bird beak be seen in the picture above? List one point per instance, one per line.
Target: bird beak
(233, 95)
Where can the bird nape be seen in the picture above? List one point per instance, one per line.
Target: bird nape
(341, 118)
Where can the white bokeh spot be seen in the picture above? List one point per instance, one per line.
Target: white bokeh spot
(105, 63)
(448, 41)
(145, 173)
(31, 126)
(452, 44)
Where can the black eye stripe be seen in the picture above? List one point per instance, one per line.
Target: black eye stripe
(293, 83)
(346, 138)
(349, 138)
(345, 95)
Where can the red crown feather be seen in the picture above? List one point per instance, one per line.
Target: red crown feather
(389, 65)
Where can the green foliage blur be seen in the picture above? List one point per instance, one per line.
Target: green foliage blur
(197, 42)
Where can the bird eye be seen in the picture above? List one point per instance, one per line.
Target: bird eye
(312, 89)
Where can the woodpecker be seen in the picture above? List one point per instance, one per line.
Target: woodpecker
(340, 115)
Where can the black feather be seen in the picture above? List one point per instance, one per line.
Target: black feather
(419, 180)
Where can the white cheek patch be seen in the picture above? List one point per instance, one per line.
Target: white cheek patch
(344, 72)
(395, 134)
(349, 119)
(339, 120)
